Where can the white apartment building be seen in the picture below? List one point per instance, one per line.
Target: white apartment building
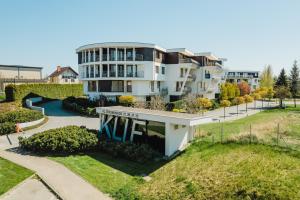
(144, 70)
(251, 77)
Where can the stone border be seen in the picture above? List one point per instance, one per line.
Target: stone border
(32, 123)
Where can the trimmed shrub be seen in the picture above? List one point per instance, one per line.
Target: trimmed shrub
(54, 91)
(204, 103)
(20, 116)
(127, 100)
(7, 128)
(136, 152)
(80, 105)
(68, 139)
(225, 103)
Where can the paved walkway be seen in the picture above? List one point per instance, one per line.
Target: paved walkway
(30, 189)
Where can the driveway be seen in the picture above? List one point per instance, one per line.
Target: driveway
(58, 117)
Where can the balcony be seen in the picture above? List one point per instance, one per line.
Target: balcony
(138, 74)
(188, 60)
(139, 57)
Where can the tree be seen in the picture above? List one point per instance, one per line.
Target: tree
(256, 96)
(224, 104)
(223, 92)
(294, 78)
(266, 77)
(237, 92)
(204, 103)
(237, 101)
(282, 92)
(282, 79)
(244, 88)
(248, 99)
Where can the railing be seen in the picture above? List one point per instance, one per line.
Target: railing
(239, 76)
(139, 57)
(188, 60)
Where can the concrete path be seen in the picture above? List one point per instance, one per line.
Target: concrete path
(30, 189)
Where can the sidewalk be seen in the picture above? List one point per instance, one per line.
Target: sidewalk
(60, 179)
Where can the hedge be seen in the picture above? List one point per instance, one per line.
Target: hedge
(20, 116)
(8, 120)
(82, 106)
(54, 91)
(68, 139)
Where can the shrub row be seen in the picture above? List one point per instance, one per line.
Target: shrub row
(54, 91)
(131, 151)
(20, 116)
(68, 139)
(7, 128)
(82, 106)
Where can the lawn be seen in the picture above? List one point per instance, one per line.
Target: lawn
(206, 171)
(11, 174)
(264, 126)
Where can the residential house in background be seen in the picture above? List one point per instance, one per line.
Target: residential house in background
(251, 77)
(64, 75)
(144, 70)
(18, 74)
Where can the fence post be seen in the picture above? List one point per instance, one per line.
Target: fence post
(250, 134)
(277, 134)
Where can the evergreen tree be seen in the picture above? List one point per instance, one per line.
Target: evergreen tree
(282, 79)
(294, 78)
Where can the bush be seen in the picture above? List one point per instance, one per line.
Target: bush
(54, 91)
(7, 128)
(127, 100)
(157, 103)
(204, 103)
(80, 105)
(215, 104)
(20, 116)
(68, 139)
(131, 151)
(248, 98)
(238, 101)
(225, 103)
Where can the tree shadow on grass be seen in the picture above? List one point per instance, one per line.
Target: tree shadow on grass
(123, 165)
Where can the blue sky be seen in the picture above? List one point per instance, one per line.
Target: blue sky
(250, 34)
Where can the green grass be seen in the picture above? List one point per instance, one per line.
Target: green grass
(11, 174)
(263, 127)
(206, 171)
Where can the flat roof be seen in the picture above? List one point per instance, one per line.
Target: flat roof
(155, 115)
(21, 66)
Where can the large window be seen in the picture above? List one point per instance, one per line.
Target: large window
(87, 73)
(117, 86)
(112, 54)
(120, 70)
(92, 71)
(129, 54)
(92, 56)
(158, 85)
(112, 70)
(104, 54)
(104, 71)
(97, 74)
(121, 54)
(163, 70)
(97, 55)
(129, 86)
(92, 87)
(129, 70)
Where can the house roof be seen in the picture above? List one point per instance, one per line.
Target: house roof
(62, 69)
(20, 66)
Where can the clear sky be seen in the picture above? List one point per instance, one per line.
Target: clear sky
(250, 34)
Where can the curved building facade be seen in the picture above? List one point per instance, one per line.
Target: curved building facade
(144, 70)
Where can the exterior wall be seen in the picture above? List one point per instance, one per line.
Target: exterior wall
(21, 73)
(176, 138)
(64, 78)
(251, 77)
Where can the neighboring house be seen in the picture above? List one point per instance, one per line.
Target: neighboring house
(251, 77)
(18, 74)
(145, 70)
(64, 75)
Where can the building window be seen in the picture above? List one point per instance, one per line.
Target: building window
(97, 71)
(129, 86)
(163, 70)
(129, 54)
(87, 74)
(66, 80)
(72, 80)
(157, 69)
(92, 71)
(158, 85)
(129, 70)
(178, 86)
(104, 54)
(120, 70)
(152, 86)
(117, 86)
(120, 54)
(104, 71)
(112, 54)
(92, 87)
(112, 70)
